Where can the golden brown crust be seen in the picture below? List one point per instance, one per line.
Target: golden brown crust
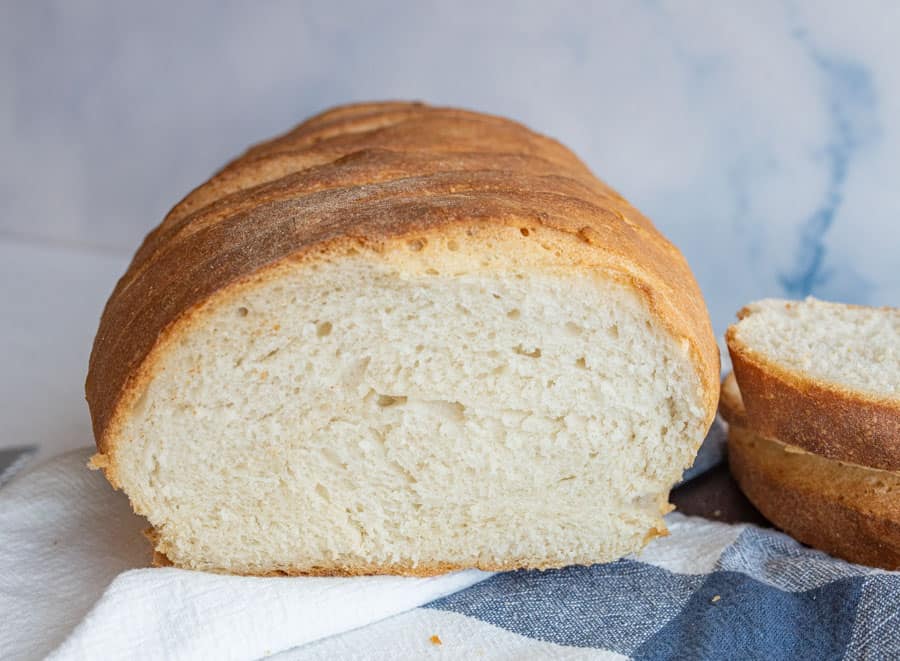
(817, 416)
(847, 510)
(375, 175)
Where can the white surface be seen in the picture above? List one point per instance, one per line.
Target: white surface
(73, 583)
(51, 297)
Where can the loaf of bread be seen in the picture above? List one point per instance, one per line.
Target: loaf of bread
(847, 510)
(822, 376)
(402, 339)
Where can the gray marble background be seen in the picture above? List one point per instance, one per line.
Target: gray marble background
(762, 137)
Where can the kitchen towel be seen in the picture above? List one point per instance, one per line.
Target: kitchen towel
(74, 585)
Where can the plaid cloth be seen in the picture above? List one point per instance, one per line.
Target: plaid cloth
(708, 591)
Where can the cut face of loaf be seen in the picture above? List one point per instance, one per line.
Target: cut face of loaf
(822, 376)
(413, 412)
(464, 383)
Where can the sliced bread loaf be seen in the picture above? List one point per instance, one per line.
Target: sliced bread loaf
(847, 510)
(402, 339)
(822, 376)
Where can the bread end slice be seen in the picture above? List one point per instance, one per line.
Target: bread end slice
(847, 510)
(822, 376)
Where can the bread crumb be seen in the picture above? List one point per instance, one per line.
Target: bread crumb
(717, 513)
(98, 461)
(435, 640)
(716, 598)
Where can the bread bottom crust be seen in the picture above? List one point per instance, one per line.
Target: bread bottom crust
(421, 570)
(798, 492)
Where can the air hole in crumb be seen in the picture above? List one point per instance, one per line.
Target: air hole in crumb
(567, 478)
(389, 400)
(323, 329)
(531, 354)
(432, 272)
(497, 296)
(333, 458)
(323, 492)
(416, 244)
(581, 363)
(243, 312)
(614, 331)
(573, 328)
(420, 348)
(524, 231)
(452, 245)
(514, 313)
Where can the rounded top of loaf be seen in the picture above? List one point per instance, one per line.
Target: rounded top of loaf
(374, 176)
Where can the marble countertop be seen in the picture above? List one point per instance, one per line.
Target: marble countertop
(51, 295)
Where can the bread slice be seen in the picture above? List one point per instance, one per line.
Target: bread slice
(402, 339)
(847, 510)
(822, 376)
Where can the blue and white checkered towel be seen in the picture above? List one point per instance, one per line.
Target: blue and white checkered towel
(72, 584)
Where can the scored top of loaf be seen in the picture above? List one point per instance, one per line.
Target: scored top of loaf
(369, 175)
